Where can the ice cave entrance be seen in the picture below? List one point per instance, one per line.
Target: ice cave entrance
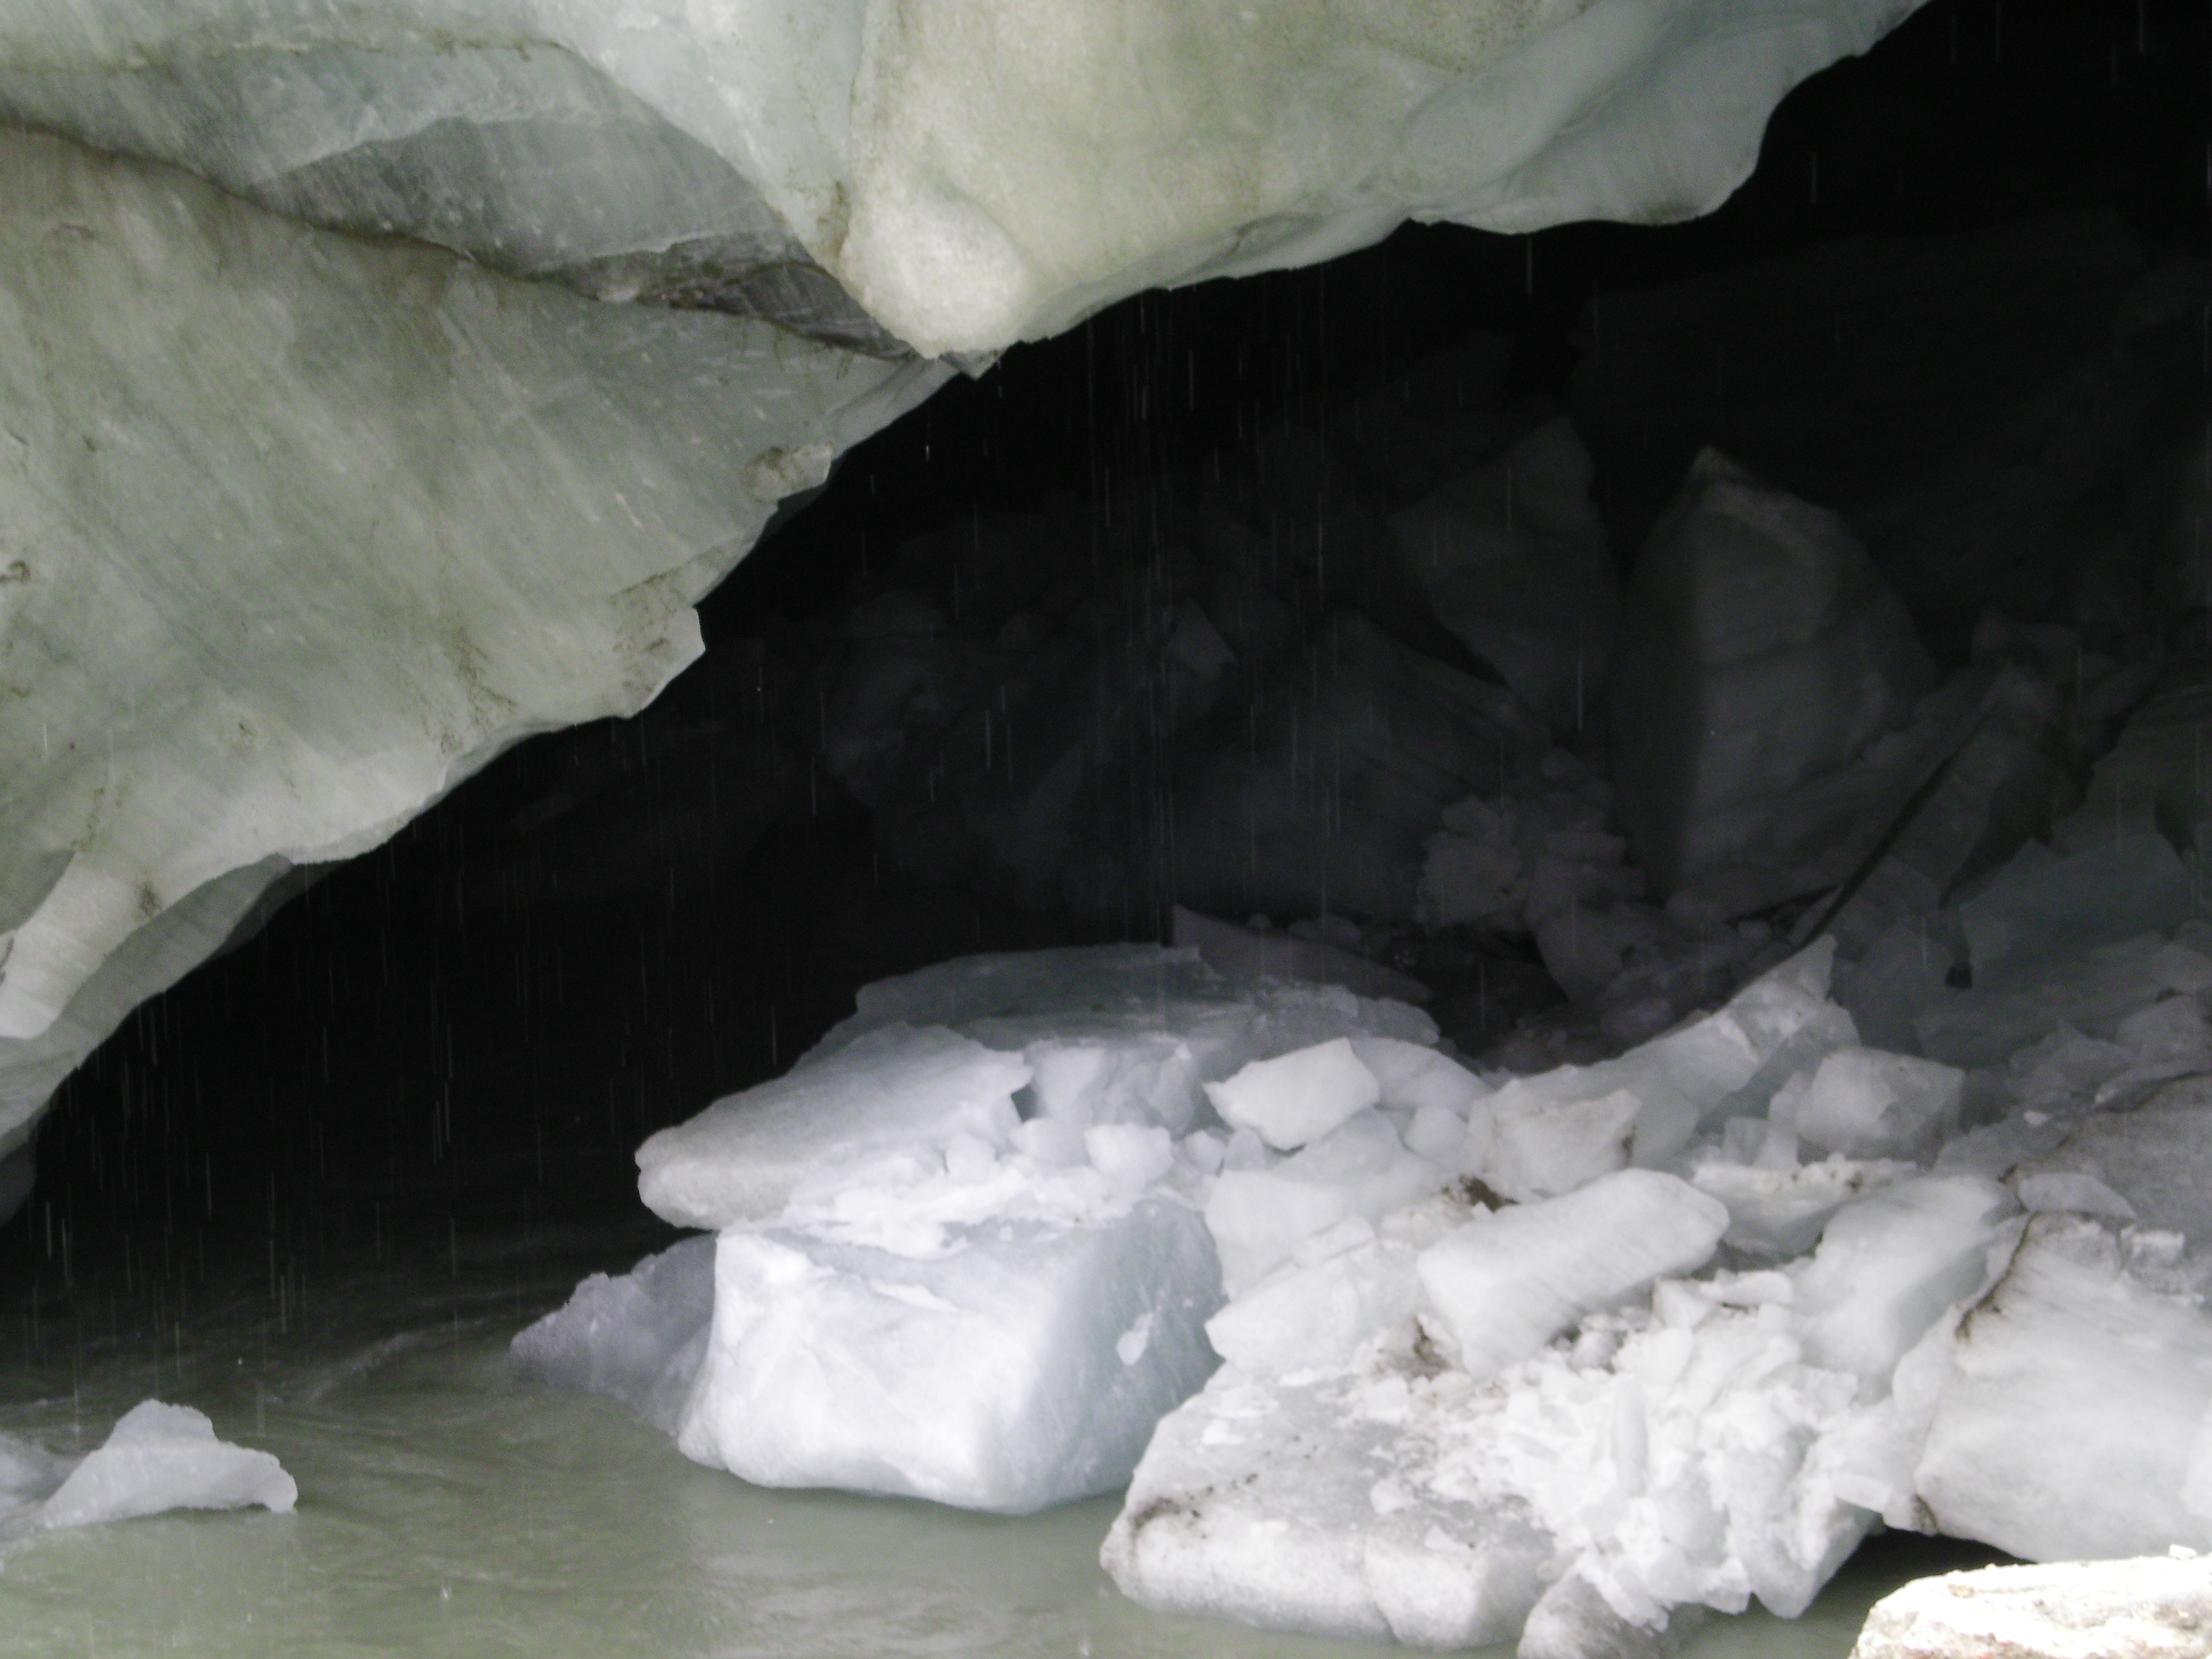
(1499, 944)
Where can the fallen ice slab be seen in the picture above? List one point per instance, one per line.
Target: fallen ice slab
(1541, 1136)
(1283, 1505)
(895, 1090)
(1023, 1368)
(1504, 1284)
(2150, 1607)
(1359, 1171)
(2072, 1422)
(1297, 1097)
(160, 1457)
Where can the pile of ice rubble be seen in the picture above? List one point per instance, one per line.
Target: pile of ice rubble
(158, 1457)
(1386, 1347)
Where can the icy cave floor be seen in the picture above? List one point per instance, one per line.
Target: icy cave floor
(447, 1508)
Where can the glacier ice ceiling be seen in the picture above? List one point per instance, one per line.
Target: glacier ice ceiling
(1577, 824)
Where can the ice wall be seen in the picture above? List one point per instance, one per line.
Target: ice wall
(299, 530)
(974, 173)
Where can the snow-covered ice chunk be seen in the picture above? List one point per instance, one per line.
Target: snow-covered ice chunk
(1297, 1097)
(1542, 1135)
(636, 1337)
(1865, 1103)
(1025, 1367)
(1890, 1264)
(1300, 1506)
(2153, 1606)
(2073, 1421)
(897, 1092)
(160, 1457)
(1361, 1169)
(1414, 1077)
(1314, 1315)
(1497, 1289)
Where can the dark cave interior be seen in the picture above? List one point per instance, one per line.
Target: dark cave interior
(607, 928)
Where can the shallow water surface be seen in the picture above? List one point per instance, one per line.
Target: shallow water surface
(447, 1508)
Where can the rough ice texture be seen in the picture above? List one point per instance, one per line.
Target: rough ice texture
(896, 1092)
(1504, 1284)
(1023, 1368)
(2150, 1607)
(160, 1457)
(974, 174)
(1297, 1097)
(1276, 1505)
(1512, 559)
(1543, 1135)
(2072, 1421)
(441, 510)
(1743, 600)
(635, 1338)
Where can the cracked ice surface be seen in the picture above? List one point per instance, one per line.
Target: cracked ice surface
(972, 174)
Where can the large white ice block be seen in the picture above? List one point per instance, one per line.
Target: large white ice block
(636, 1337)
(896, 1094)
(1023, 1368)
(1500, 1287)
(1301, 1506)
(1297, 1097)
(1361, 1169)
(975, 173)
(161, 1457)
(2073, 1422)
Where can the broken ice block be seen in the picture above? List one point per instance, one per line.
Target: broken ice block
(896, 1093)
(2152, 1605)
(1302, 1507)
(161, 1457)
(1538, 1136)
(1499, 1288)
(2156, 1160)
(635, 1338)
(1023, 1368)
(1297, 1097)
(1259, 1217)
(1868, 1104)
(1758, 648)
(2042, 907)
(2073, 1421)
(1512, 559)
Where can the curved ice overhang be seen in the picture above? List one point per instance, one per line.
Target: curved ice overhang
(972, 172)
(298, 528)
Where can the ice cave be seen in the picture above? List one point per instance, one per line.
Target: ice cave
(1105, 828)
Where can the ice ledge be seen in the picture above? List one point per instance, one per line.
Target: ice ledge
(975, 172)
